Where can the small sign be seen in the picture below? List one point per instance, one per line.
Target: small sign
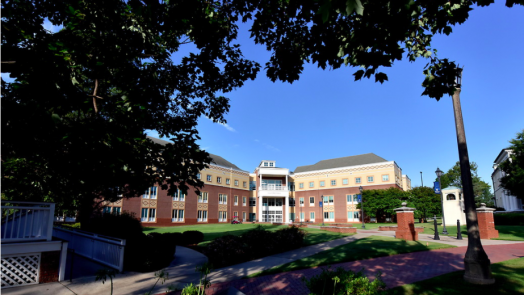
(320, 203)
(436, 187)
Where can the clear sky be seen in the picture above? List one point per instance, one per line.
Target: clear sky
(327, 115)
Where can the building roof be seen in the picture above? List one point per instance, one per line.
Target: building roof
(215, 159)
(342, 162)
(450, 188)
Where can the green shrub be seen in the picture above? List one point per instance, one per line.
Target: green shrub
(341, 281)
(508, 218)
(260, 242)
(226, 250)
(71, 225)
(191, 290)
(290, 238)
(192, 237)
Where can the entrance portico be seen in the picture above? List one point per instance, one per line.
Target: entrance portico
(272, 192)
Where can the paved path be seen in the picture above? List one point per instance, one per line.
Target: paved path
(396, 270)
(182, 270)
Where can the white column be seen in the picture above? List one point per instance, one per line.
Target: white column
(286, 215)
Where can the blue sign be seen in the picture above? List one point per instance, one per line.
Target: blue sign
(436, 187)
(359, 198)
(320, 203)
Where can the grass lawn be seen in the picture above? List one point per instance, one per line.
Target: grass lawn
(374, 246)
(213, 231)
(509, 279)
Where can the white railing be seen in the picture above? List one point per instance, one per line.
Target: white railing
(106, 250)
(27, 221)
(273, 187)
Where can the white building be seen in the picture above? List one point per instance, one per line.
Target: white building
(453, 204)
(502, 197)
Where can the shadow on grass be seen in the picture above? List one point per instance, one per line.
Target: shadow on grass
(509, 279)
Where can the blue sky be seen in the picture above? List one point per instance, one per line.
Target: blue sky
(327, 115)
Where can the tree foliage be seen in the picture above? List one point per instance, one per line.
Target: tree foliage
(425, 200)
(75, 116)
(379, 203)
(513, 181)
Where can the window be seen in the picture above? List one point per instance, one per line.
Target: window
(385, 177)
(178, 216)
(150, 193)
(353, 215)
(235, 214)
(301, 185)
(182, 196)
(198, 175)
(175, 196)
(244, 184)
(222, 199)
(311, 184)
(116, 210)
(311, 201)
(333, 182)
(222, 216)
(236, 182)
(243, 216)
(228, 181)
(301, 200)
(106, 210)
(358, 180)
(345, 181)
(236, 201)
(143, 215)
(322, 183)
(252, 216)
(370, 178)
(451, 197)
(265, 164)
(302, 214)
(349, 198)
(252, 202)
(252, 185)
(209, 178)
(202, 198)
(329, 216)
(291, 202)
(219, 179)
(331, 199)
(312, 216)
(202, 216)
(328, 200)
(152, 214)
(179, 196)
(271, 164)
(244, 201)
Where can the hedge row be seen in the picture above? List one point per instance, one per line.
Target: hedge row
(508, 218)
(256, 243)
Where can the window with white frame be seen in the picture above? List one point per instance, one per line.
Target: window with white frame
(236, 182)
(198, 175)
(271, 164)
(116, 210)
(302, 214)
(222, 216)
(150, 193)
(370, 178)
(143, 214)
(219, 179)
(358, 180)
(228, 181)
(222, 199)
(291, 202)
(328, 200)
(182, 196)
(174, 197)
(243, 216)
(244, 201)
(236, 200)
(345, 181)
(385, 177)
(152, 214)
(301, 201)
(333, 182)
(252, 202)
(311, 184)
(205, 197)
(106, 210)
(301, 185)
(177, 215)
(266, 164)
(329, 216)
(244, 184)
(202, 215)
(208, 178)
(322, 183)
(312, 216)
(331, 199)
(235, 214)
(311, 201)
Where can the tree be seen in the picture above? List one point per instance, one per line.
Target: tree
(74, 119)
(481, 189)
(380, 203)
(425, 200)
(513, 181)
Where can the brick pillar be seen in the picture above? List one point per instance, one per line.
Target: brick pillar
(486, 223)
(406, 224)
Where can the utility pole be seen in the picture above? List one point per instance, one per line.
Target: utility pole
(421, 180)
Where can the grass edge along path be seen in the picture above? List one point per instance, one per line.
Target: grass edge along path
(509, 279)
(365, 248)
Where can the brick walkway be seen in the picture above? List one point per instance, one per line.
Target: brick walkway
(396, 270)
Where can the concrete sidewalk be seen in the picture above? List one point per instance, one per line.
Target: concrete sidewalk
(182, 269)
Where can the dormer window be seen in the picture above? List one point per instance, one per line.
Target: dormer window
(266, 164)
(271, 164)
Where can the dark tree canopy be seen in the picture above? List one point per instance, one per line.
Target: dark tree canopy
(513, 181)
(379, 202)
(74, 119)
(425, 200)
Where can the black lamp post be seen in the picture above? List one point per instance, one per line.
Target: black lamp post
(476, 262)
(362, 206)
(439, 174)
(421, 180)
(322, 198)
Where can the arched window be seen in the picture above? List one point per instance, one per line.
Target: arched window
(451, 197)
